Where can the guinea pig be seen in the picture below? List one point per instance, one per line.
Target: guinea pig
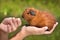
(39, 18)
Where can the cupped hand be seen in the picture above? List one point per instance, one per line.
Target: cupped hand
(49, 32)
(10, 24)
(31, 30)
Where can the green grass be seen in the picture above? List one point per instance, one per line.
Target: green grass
(16, 9)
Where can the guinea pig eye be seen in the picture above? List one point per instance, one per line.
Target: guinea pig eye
(32, 12)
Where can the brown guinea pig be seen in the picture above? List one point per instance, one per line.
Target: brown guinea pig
(39, 18)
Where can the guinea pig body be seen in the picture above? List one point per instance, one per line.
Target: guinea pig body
(39, 18)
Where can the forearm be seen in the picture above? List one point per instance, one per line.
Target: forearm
(20, 36)
(3, 35)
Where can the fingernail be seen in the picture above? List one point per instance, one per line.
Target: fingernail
(18, 19)
(46, 27)
(13, 17)
(56, 22)
(9, 17)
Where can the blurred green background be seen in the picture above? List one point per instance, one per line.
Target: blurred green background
(15, 8)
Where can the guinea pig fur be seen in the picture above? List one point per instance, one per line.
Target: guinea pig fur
(39, 18)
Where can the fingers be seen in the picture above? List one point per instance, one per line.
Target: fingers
(18, 21)
(15, 23)
(55, 24)
(49, 32)
(10, 29)
(31, 30)
(45, 28)
(12, 23)
(34, 30)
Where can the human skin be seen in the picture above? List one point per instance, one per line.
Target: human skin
(26, 31)
(3, 34)
(8, 25)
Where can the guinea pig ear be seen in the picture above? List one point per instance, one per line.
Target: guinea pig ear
(31, 12)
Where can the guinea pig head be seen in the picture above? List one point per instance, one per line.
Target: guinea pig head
(29, 14)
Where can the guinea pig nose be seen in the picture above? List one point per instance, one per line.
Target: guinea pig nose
(22, 17)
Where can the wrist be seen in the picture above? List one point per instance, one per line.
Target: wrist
(19, 36)
(22, 34)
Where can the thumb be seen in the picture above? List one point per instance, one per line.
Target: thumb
(45, 28)
(23, 28)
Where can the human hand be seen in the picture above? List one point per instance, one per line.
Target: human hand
(31, 30)
(49, 32)
(10, 24)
